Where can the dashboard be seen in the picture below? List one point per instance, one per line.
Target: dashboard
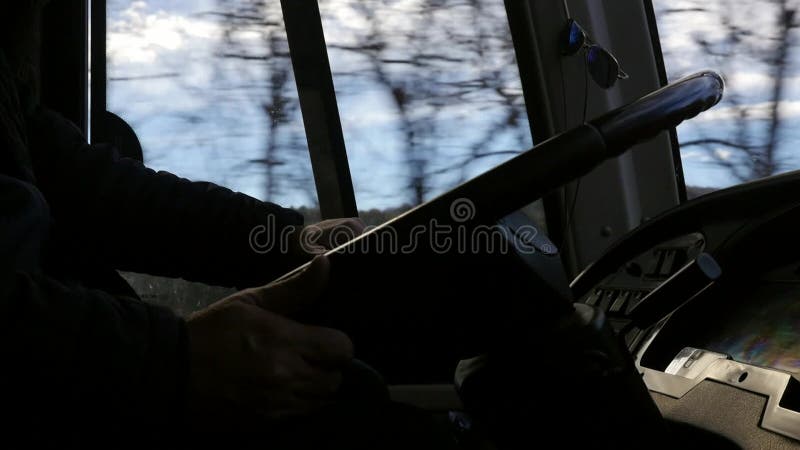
(673, 288)
(737, 334)
(621, 292)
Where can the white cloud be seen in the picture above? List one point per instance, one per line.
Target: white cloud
(695, 156)
(723, 154)
(788, 109)
(140, 35)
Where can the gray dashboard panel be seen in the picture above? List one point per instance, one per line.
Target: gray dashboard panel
(728, 411)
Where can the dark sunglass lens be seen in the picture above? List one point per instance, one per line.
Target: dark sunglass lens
(574, 38)
(603, 67)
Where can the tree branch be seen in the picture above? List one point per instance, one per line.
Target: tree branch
(723, 142)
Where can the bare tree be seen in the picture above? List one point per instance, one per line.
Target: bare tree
(435, 68)
(750, 148)
(443, 67)
(263, 69)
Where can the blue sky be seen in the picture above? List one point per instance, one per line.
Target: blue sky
(193, 121)
(746, 75)
(190, 126)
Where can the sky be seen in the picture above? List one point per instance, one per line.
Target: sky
(746, 75)
(194, 118)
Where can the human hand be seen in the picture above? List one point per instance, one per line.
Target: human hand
(255, 362)
(327, 235)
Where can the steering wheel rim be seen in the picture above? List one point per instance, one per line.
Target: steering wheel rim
(362, 267)
(585, 146)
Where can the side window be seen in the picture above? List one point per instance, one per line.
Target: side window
(750, 135)
(429, 95)
(209, 89)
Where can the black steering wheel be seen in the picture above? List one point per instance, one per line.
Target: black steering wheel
(415, 301)
(420, 292)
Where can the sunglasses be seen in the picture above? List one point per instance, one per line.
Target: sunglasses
(603, 66)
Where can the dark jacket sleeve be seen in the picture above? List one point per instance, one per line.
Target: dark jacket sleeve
(157, 223)
(79, 362)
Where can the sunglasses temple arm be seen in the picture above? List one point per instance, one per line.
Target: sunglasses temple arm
(622, 75)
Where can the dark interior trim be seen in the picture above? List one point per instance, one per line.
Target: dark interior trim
(539, 107)
(65, 57)
(99, 72)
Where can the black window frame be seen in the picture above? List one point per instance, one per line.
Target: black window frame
(323, 125)
(655, 40)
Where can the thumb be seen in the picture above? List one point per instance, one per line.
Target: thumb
(298, 293)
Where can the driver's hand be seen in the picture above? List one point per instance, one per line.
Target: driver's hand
(247, 359)
(326, 235)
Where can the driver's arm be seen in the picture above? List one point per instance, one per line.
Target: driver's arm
(79, 361)
(143, 221)
(81, 365)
